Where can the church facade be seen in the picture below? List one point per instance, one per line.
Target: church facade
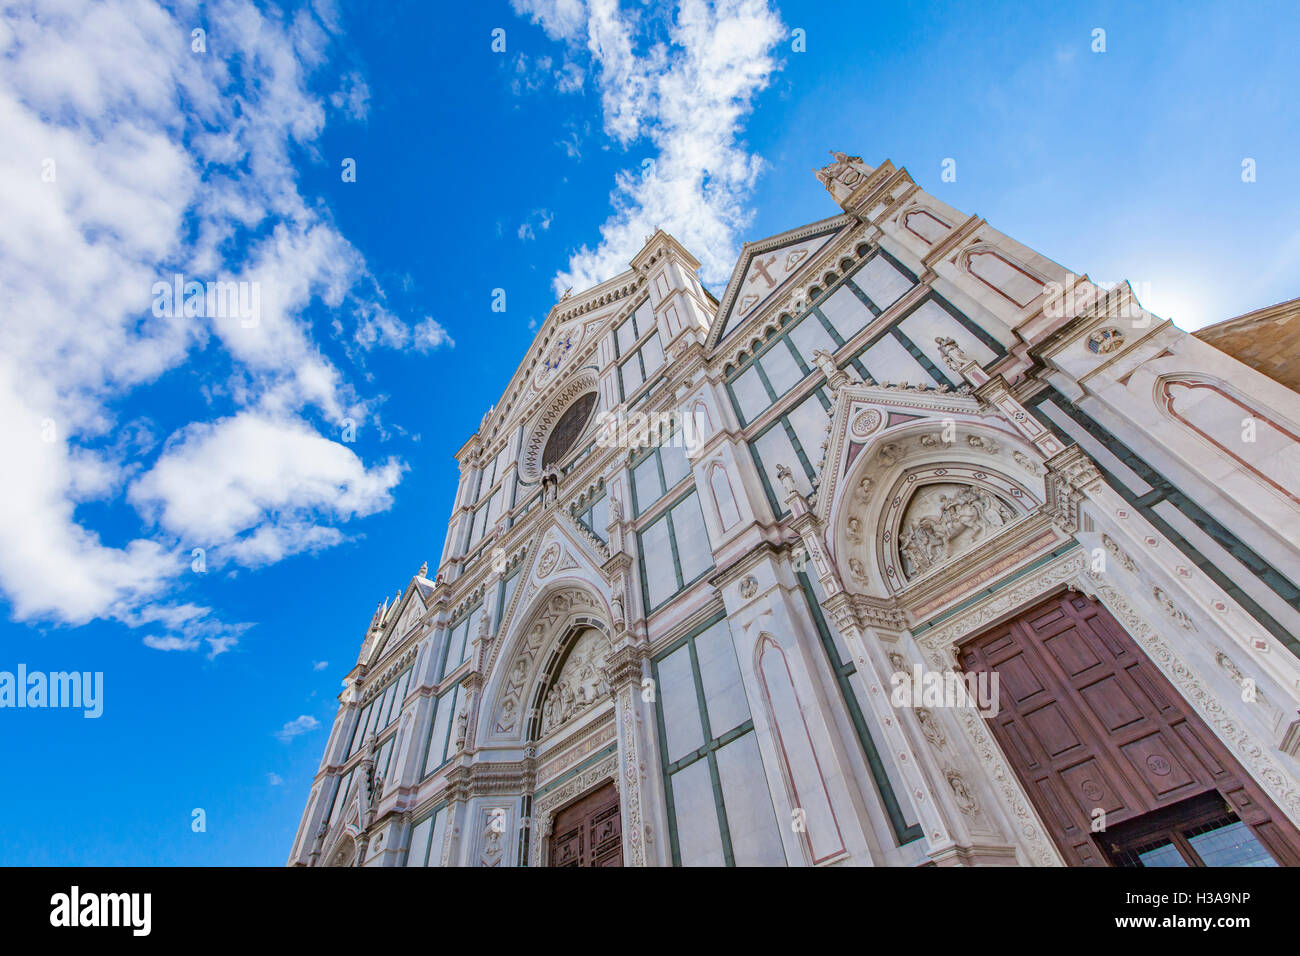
(913, 549)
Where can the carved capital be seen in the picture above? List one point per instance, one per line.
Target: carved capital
(623, 666)
(1071, 476)
(842, 613)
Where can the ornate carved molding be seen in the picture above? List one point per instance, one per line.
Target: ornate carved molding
(1279, 784)
(939, 643)
(539, 429)
(545, 806)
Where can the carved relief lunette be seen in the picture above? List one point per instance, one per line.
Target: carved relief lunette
(580, 683)
(944, 520)
(545, 622)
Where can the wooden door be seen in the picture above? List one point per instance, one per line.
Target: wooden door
(589, 832)
(1090, 724)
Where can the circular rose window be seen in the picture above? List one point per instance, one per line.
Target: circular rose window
(568, 430)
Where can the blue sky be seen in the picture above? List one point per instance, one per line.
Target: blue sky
(133, 438)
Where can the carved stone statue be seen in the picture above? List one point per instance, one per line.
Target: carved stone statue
(462, 724)
(550, 485)
(952, 354)
(835, 376)
(786, 477)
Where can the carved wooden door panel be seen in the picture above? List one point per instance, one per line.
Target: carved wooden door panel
(1090, 724)
(589, 832)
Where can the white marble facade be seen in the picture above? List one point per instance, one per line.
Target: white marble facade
(897, 415)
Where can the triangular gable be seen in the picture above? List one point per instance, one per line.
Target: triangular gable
(560, 552)
(580, 319)
(867, 414)
(771, 268)
(402, 617)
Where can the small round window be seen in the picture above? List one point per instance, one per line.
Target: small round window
(568, 430)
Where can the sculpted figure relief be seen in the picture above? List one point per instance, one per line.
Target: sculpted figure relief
(945, 519)
(580, 683)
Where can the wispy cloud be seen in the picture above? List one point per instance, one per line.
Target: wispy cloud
(300, 725)
(127, 162)
(429, 335)
(540, 219)
(688, 97)
(353, 98)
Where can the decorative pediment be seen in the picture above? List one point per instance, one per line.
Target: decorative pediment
(771, 268)
(403, 616)
(559, 553)
(916, 477)
(873, 416)
(412, 614)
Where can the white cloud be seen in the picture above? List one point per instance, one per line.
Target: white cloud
(689, 97)
(561, 19)
(171, 643)
(429, 335)
(319, 665)
(353, 98)
(540, 219)
(187, 628)
(299, 725)
(274, 780)
(380, 328)
(255, 488)
(129, 158)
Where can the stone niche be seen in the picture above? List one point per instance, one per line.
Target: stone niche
(944, 520)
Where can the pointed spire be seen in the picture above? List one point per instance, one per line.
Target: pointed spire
(424, 569)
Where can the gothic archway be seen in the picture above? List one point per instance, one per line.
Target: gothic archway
(887, 518)
(532, 658)
(344, 853)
